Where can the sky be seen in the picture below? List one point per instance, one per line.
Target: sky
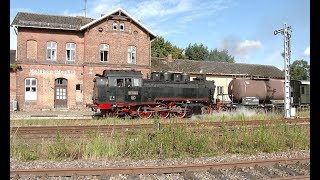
(243, 27)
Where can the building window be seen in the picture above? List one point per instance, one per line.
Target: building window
(78, 87)
(104, 49)
(131, 54)
(220, 90)
(121, 26)
(30, 89)
(51, 50)
(71, 51)
(115, 26)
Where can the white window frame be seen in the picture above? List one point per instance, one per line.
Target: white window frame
(52, 48)
(121, 25)
(71, 47)
(30, 89)
(132, 55)
(115, 26)
(103, 48)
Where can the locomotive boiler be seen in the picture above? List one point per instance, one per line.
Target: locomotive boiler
(125, 93)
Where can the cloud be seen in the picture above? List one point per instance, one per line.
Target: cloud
(240, 49)
(163, 17)
(307, 52)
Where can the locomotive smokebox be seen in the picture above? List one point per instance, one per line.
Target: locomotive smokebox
(263, 89)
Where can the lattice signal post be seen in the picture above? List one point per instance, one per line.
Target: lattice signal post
(286, 32)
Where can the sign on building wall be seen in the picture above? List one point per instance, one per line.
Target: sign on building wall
(51, 72)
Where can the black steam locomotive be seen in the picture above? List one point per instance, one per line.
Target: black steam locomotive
(124, 93)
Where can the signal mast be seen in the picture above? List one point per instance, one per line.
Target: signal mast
(286, 32)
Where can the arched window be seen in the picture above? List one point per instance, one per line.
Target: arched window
(114, 26)
(32, 49)
(121, 26)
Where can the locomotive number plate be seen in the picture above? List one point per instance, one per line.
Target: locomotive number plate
(133, 93)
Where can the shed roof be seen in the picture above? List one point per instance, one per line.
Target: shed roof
(25, 19)
(216, 68)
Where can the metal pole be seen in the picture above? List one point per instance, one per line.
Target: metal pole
(286, 32)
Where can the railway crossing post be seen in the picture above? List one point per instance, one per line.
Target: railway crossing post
(286, 32)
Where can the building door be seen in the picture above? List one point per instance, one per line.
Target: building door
(60, 93)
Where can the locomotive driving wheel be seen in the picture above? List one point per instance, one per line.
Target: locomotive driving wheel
(205, 110)
(179, 111)
(163, 112)
(144, 113)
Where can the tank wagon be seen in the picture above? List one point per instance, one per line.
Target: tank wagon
(267, 94)
(126, 93)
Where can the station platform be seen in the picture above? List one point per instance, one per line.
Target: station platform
(62, 114)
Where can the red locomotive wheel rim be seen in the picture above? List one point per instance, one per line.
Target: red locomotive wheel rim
(179, 115)
(163, 115)
(145, 115)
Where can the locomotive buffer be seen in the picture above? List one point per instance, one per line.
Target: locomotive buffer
(286, 32)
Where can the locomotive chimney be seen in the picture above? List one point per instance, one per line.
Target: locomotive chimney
(169, 58)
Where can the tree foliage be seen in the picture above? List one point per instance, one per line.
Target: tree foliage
(197, 52)
(220, 56)
(161, 48)
(299, 70)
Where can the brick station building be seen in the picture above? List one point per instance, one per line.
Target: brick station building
(60, 55)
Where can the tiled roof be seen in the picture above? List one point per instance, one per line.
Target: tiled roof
(216, 68)
(12, 56)
(49, 21)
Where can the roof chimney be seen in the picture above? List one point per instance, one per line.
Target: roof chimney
(169, 58)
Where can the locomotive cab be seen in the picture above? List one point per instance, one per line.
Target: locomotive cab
(116, 87)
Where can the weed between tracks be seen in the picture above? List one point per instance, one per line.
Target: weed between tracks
(221, 116)
(169, 142)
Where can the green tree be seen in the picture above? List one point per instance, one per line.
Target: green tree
(299, 70)
(197, 52)
(220, 56)
(161, 48)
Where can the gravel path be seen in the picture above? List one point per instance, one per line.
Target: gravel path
(14, 164)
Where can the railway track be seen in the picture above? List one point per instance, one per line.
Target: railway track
(74, 131)
(290, 168)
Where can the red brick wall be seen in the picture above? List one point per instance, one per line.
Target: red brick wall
(13, 88)
(118, 42)
(46, 84)
(42, 36)
(87, 62)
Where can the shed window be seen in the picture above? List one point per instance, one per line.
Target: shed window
(220, 90)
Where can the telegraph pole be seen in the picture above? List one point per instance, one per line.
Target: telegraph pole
(286, 32)
(85, 8)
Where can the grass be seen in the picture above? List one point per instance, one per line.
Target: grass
(169, 142)
(221, 116)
